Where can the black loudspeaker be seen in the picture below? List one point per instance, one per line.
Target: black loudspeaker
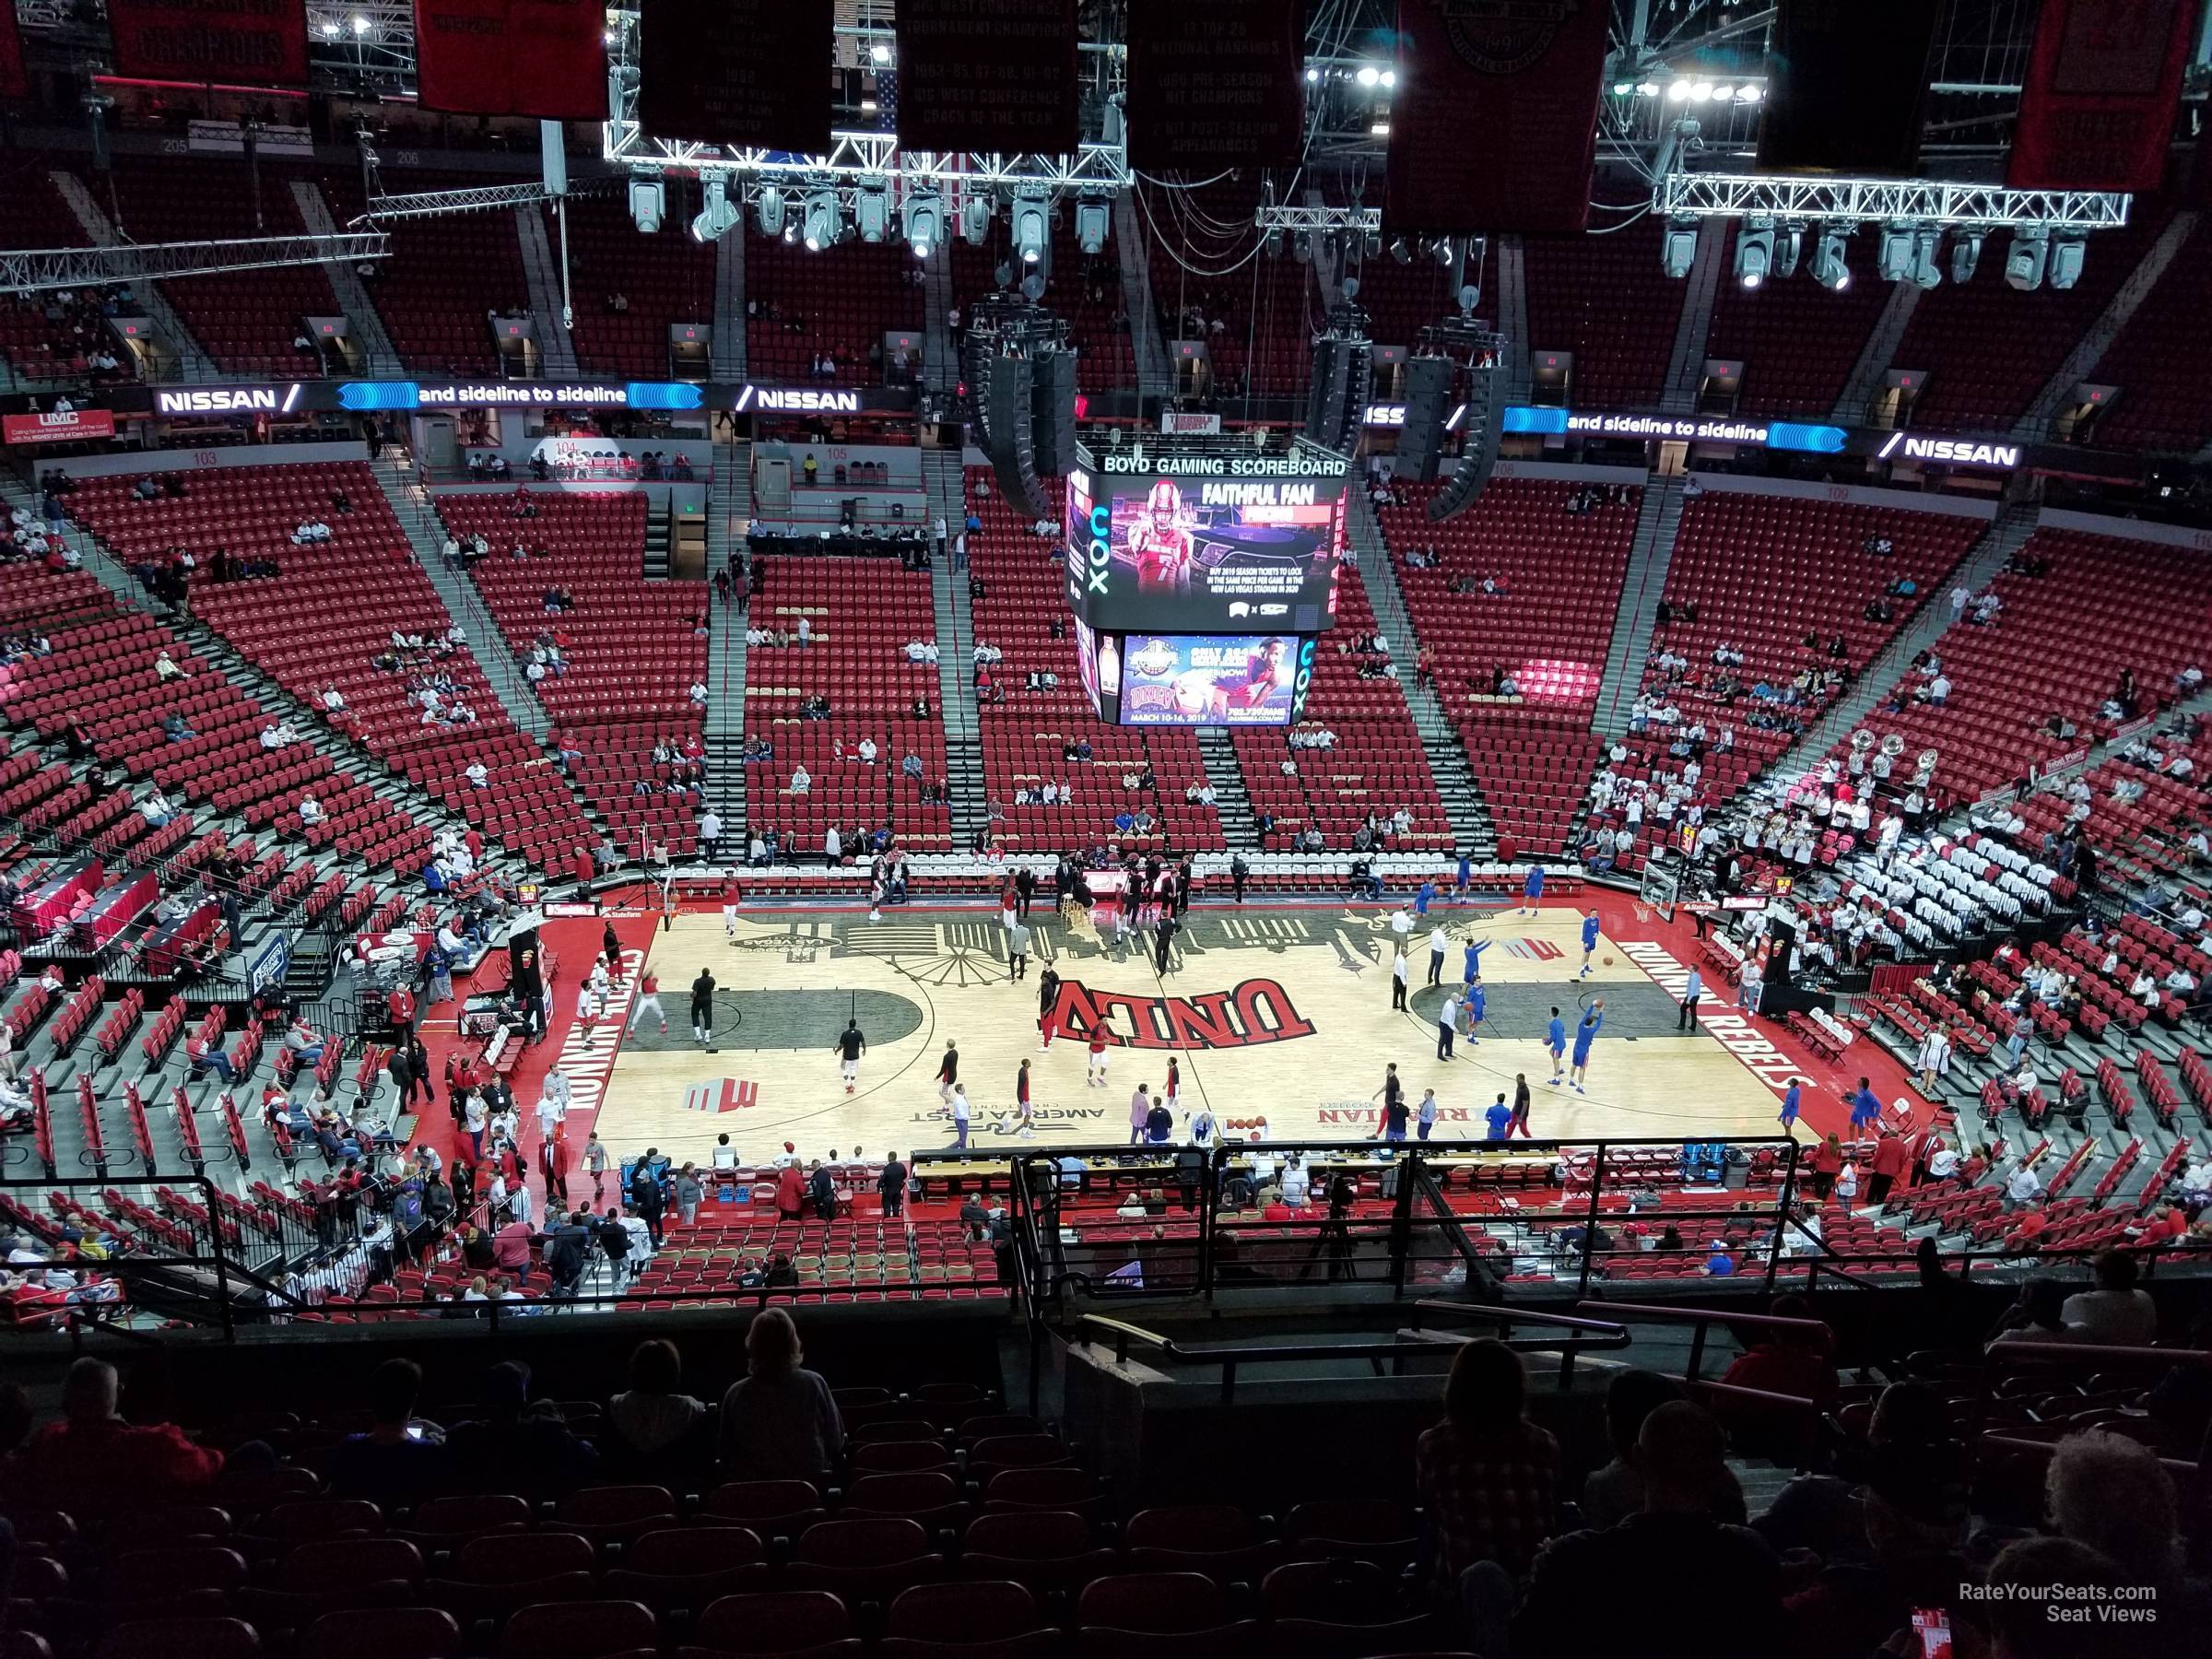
(1782, 939)
(1052, 412)
(1420, 439)
(524, 969)
(1342, 371)
(1012, 447)
(1478, 448)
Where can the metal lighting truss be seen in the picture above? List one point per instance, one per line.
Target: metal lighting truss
(1922, 201)
(29, 270)
(1290, 218)
(860, 160)
(477, 198)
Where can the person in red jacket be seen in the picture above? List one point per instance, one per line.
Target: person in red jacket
(1889, 1157)
(1826, 1163)
(93, 1463)
(790, 1191)
(399, 1003)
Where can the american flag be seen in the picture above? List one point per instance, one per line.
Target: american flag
(720, 1094)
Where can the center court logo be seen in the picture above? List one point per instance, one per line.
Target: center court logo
(1257, 1011)
(722, 1094)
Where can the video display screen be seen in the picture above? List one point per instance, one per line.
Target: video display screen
(1204, 553)
(1196, 680)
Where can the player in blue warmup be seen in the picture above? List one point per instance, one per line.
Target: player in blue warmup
(1471, 965)
(1554, 1039)
(1789, 1107)
(1500, 1118)
(1532, 890)
(1584, 1034)
(1589, 942)
(1476, 1001)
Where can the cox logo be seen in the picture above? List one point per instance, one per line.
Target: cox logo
(1101, 527)
(1304, 682)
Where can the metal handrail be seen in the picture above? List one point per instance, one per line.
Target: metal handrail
(1701, 1320)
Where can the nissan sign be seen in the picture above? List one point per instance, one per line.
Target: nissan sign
(1952, 451)
(802, 400)
(229, 400)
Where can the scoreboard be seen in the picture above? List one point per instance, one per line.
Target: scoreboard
(1199, 575)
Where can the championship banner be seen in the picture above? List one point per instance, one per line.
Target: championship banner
(13, 82)
(253, 42)
(1845, 83)
(1216, 85)
(2103, 84)
(68, 425)
(993, 77)
(1494, 126)
(752, 73)
(545, 58)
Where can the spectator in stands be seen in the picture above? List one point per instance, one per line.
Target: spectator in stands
(94, 1465)
(2112, 1494)
(779, 1423)
(1642, 1563)
(1615, 1491)
(2037, 1315)
(516, 1447)
(651, 1416)
(399, 1460)
(2116, 1312)
(1487, 1476)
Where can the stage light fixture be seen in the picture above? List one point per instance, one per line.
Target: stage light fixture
(768, 211)
(1273, 241)
(1754, 251)
(1723, 92)
(824, 220)
(1749, 94)
(648, 203)
(1368, 74)
(719, 216)
(2028, 257)
(872, 213)
(1444, 250)
(1894, 262)
(1966, 255)
(1789, 248)
(922, 217)
(1679, 248)
(1312, 75)
(1700, 92)
(1302, 245)
(1032, 228)
(1091, 222)
(1927, 265)
(1401, 250)
(880, 53)
(975, 220)
(1677, 91)
(2066, 256)
(1831, 267)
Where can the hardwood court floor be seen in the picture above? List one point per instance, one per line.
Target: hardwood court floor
(1280, 1014)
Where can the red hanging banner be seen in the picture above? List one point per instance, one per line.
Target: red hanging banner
(245, 43)
(994, 77)
(13, 82)
(2104, 86)
(1493, 126)
(545, 58)
(742, 72)
(1218, 85)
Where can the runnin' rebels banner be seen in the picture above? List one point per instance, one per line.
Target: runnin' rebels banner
(743, 72)
(1494, 126)
(988, 75)
(1216, 85)
(545, 58)
(2102, 87)
(258, 42)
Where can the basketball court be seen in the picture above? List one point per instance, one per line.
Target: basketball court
(1282, 1014)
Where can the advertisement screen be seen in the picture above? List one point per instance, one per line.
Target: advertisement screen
(1209, 680)
(1205, 554)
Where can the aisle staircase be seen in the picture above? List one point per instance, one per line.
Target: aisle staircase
(1875, 356)
(555, 347)
(178, 355)
(956, 641)
(1650, 555)
(1472, 830)
(1232, 803)
(378, 355)
(1685, 364)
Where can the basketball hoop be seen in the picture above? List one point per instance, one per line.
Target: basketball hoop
(1643, 913)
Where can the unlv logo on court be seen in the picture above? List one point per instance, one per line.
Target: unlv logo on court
(722, 1094)
(1257, 1011)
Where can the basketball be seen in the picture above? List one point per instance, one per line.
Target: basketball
(1608, 960)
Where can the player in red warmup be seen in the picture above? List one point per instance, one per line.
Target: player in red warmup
(1161, 542)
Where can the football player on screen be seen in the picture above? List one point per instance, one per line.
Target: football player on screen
(1161, 541)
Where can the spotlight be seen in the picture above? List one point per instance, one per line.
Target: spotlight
(1368, 74)
(2067, 257)
(1966, 253)
(767, 210)
(1401, 250)
(1274, 241)
(1648, 88)
(1623, 88)
(1831, 270)
(872, 213)
(1701, 93)
(1749, 95)
(975, 220)
(1677, 91)
(1091, 225)
(360, 24)
(1722, 93)
(647, 201)
(1390, 78)
(1312, 75)
(1927, 272)
(1379, 129)
(1302, 245)
(1789, 247)
(880, 53)
(2027, 259)
(330, 30)
(1444, 250)
(1894, 262)
(824, 222)
(718, 218)
(1373, 243)
(924, 216)
(1032, 227)
(1754, 251)
(1678, 250)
